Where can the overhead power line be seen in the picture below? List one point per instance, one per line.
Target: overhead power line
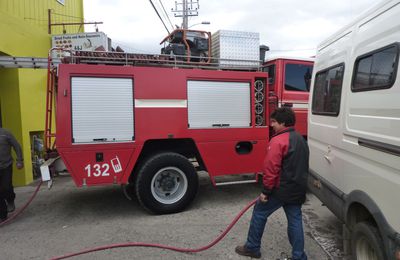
(159, 16)
(166, 14)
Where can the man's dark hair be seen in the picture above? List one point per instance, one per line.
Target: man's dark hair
(284, 115)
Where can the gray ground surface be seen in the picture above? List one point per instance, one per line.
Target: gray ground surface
(67, 219)
(324, 227)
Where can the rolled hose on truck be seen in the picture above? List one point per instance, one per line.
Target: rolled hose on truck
(138, 244)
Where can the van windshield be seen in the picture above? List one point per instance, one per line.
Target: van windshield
(298, 77)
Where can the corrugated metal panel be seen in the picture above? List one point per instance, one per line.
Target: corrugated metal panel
(36, 13)
(102, 109)
(218, 104)
(235, 48)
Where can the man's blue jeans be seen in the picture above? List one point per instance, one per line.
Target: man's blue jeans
(260, 216)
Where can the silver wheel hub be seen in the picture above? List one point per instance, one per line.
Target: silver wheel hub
(364, 250)
(169, 185)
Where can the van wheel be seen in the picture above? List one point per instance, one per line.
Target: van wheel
(166, 183)
(366, 242)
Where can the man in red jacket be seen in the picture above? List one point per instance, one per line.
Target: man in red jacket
(285, 185)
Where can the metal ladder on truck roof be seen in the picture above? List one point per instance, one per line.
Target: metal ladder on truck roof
(26, 62)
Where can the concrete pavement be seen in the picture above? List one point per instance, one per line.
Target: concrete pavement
(67, 219)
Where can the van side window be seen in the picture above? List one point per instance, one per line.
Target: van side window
(327, 91)
(376, 70)
(298, 77)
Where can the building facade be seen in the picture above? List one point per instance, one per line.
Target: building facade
(26, 28)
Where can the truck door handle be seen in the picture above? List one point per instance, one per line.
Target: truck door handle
(99, 139)
(220, 125)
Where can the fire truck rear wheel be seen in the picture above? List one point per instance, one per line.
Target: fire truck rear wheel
(166, 183)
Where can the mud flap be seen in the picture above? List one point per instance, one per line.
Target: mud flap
(45, 171)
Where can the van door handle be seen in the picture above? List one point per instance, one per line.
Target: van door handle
(328, 158)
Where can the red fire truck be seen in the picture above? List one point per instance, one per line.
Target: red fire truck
(289, 85)
(152, 122)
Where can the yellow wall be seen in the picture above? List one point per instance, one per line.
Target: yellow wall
(35, 12)
(24, 32)
(11, 113)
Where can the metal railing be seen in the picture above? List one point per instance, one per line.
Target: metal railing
(126, 59)
(136, 59)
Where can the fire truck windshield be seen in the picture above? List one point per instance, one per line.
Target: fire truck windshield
(298, 77)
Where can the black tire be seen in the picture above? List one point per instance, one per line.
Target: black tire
(166, 183)
(203, 57)
(366, 242)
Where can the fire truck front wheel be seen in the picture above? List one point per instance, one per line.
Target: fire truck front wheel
(166, 183)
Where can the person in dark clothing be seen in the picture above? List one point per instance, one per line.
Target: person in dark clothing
(285, 175)
(7, 195)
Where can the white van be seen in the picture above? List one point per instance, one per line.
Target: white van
(354, 130)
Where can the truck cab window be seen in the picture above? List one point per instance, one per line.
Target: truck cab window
(271, 73)
(327, 91)
(298, 77)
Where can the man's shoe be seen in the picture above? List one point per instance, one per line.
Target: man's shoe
(10, 206)
(242, 250)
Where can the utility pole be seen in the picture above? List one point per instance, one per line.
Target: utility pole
(185, 9)
(185, 17)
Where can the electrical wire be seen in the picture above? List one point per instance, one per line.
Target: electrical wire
(155, 9)
(166, 14)
(69, 16)
(172, 248)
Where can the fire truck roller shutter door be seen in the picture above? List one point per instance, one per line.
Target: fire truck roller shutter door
(166, 183)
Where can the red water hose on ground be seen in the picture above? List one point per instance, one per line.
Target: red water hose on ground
(19, 211)
(178, 249)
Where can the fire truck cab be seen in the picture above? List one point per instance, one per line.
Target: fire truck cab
(289, 85)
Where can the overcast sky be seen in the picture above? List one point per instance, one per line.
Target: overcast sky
(294, 26)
